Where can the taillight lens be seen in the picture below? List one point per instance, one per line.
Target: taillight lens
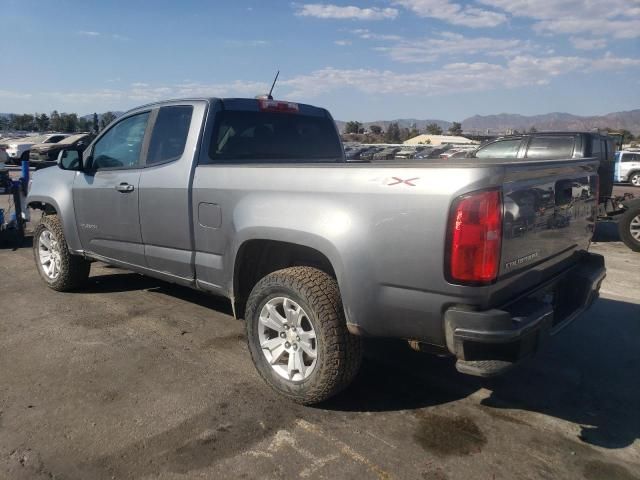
(475, 237)
(277, 106)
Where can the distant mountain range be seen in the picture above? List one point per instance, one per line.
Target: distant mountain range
(501, 123)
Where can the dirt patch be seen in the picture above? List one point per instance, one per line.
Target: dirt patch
(224, 342)
(598, 470)
(445, 435)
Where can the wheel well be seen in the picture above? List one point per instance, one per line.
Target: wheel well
(631, 173)
(46, 208)
(258, 258)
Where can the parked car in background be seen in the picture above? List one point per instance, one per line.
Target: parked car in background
(408, 153)
(19, 148)
(46, 154)
(627, 168)
(368, 154)
(386, 153)
(354, 153)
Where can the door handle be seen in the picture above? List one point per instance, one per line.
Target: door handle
(124, 187)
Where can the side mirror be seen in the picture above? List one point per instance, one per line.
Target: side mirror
(70, 159)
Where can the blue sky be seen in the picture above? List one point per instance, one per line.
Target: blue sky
(384, 59)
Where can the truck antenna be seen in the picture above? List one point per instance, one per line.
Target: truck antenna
(269, 96)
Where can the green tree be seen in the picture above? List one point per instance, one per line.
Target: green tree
(375, 129)
(392, 134)
(627, 136)
(353, 127)
(55, 122)
(455, 129)
(413, 132)
(434, 129)
(22, 122)
(533, 130)
(42, 122)
(106, 119)
(69, 122)
(83, 125)
(96, 123)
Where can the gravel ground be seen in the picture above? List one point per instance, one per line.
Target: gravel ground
(137, 378)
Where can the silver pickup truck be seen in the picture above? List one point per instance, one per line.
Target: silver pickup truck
(252, 199)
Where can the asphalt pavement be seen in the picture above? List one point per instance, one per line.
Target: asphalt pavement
(137, 378)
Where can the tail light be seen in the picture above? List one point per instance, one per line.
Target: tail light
(277, 106)
(475, 238)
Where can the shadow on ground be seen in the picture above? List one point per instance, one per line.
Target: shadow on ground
(584, 375)
(606, 232)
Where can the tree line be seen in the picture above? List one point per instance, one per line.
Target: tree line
(396, 134)
(56, 122)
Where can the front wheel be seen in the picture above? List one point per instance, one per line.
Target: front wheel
(629, 228)
(57, 267)
(298, 336)
(635, 179)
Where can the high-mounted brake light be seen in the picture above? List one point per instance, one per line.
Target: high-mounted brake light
(475, 238)
(267, 105)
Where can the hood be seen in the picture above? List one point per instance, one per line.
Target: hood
(44, 147)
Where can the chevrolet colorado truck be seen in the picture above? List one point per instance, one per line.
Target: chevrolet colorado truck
(252, 199)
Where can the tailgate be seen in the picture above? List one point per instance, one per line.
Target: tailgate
(549, 208)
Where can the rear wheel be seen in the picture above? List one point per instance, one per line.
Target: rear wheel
(298, 335)
(629, 228)
(57, 267)
(635, 179)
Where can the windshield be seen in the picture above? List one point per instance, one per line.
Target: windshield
(264, 136)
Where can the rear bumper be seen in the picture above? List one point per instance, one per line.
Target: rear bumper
(490, 342)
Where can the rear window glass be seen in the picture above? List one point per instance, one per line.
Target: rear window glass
(548, 148)
(244, 136)
(170, 134)
(500, 149)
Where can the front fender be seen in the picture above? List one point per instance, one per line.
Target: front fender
(53, 187)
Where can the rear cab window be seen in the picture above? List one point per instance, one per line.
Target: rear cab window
(548, 147)
(170, 133)
(507, 148)
(256, 133)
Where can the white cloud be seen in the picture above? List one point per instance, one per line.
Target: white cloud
(368, 35)
(522, 70)
(454, 13)
(86, 33)
(615, 18)
(342, 43)
(610, 62)
(326, 11)
(450, 79)
(8, 94)
(448, 43)
(588, 43)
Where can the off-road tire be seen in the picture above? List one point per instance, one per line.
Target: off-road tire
(339, 353)
(74, 270)
(624, 228)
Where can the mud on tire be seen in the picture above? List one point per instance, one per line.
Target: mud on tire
(73, 270)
